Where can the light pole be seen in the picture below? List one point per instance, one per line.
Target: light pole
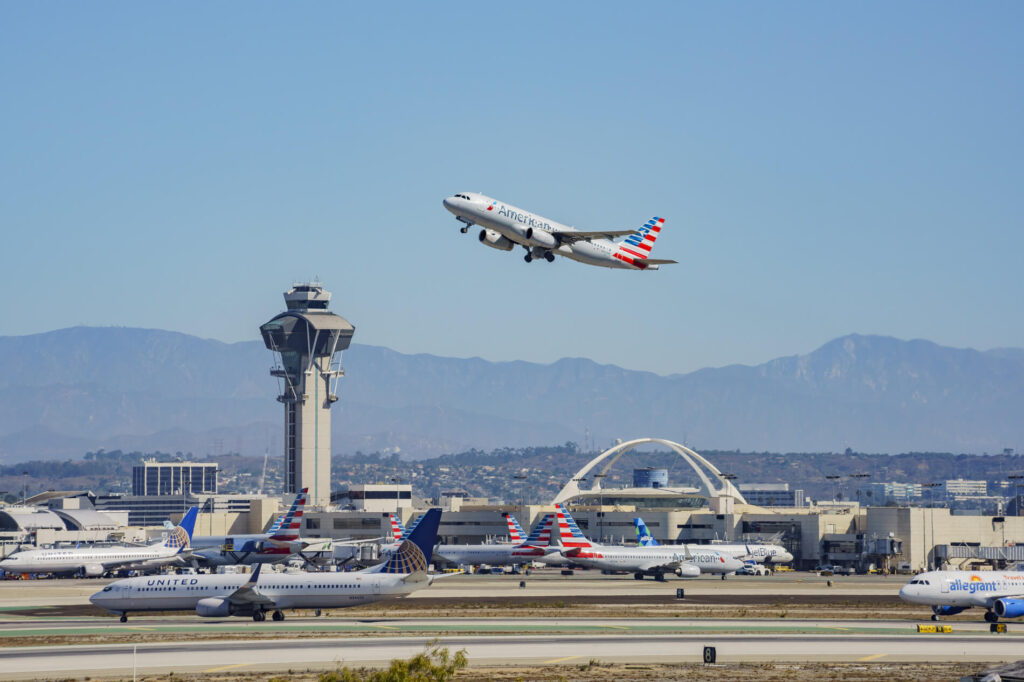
(398, 499)
(1015, 481)
(578, 491)
(859, 477)
(834, 478)
(930, 555)
(600, 513)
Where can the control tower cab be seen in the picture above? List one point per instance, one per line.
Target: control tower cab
(308, 340)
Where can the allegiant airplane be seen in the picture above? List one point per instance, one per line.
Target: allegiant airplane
(505, 226)
(1000, 593)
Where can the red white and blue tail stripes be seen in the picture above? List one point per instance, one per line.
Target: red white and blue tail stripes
(289, 529)
(637, 246)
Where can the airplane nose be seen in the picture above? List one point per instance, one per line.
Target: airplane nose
(448, 203)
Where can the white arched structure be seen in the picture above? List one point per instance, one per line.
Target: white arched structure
(724, 489)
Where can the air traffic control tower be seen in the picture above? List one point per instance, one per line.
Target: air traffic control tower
(309, 340)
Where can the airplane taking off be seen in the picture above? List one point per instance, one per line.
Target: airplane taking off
(219, 596)
(91, 562)
(506, 226)
(1001, 593)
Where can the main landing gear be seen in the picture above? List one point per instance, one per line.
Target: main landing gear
(991, 617)
(278, 615)
(531, 254)
(638, 576)
(259, 616)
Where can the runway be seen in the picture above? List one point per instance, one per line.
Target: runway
(318, 643)
(280, 655)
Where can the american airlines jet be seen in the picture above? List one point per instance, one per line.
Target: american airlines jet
(505, 226)
(1000, 593)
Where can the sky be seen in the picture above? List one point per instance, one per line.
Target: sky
(824, 169)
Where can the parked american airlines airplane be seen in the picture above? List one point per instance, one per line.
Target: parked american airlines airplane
(505, 226)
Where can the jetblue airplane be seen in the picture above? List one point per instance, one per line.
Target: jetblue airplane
(92, 562)
(760, 552)
(219, 596)
(685, 562)
(1000, 593)
(505, 226)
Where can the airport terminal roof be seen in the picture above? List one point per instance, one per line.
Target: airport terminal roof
(86, 519)
(29, 519)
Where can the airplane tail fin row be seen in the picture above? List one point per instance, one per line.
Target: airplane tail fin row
(565, 532)
(636, 248)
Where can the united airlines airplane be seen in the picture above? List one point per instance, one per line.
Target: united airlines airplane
(1000, 593)
(505, 226)
(92, 562)
(219, 596)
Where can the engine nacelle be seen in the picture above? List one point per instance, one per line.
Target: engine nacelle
(1009, 608)
(214, 607)
(947, 610)
(688, 571)
(93, 570)
(496, 240)
(540, 238)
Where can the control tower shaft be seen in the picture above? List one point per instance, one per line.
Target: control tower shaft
(308, 340)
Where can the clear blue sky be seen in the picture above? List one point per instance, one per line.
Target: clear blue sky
(825, 168)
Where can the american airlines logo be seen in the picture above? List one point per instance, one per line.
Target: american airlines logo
(523, 218)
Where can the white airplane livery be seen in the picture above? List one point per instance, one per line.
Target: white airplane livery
(220, 596)
(1000, 593)
(505, 226)
(91, 562)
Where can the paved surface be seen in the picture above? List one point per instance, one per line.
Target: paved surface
(276, 655)
(545, 583)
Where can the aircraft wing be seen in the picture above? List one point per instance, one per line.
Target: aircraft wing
(248, 594)
(568, 237)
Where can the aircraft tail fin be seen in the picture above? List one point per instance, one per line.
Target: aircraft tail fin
(569, 533)
(643, 536)
(181, 535)
(515, 531)
(414, 554)
(397, 528)
(635, 248)
(292, 522)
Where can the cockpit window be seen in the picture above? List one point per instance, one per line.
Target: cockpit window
(462, 196)
(107, 588)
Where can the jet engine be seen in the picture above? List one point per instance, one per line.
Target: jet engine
(1009, 608)
(540, 238)
(214, 607)
(92, 570)
(496, 240)
(947, 610)
(688, 571)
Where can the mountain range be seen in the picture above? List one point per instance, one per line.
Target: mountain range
(69, 391)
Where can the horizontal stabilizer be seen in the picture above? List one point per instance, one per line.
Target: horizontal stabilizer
(659, 261)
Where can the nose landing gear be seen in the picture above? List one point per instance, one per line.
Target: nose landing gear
(466, 224)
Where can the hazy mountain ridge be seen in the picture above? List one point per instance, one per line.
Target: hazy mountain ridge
(88, 388)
